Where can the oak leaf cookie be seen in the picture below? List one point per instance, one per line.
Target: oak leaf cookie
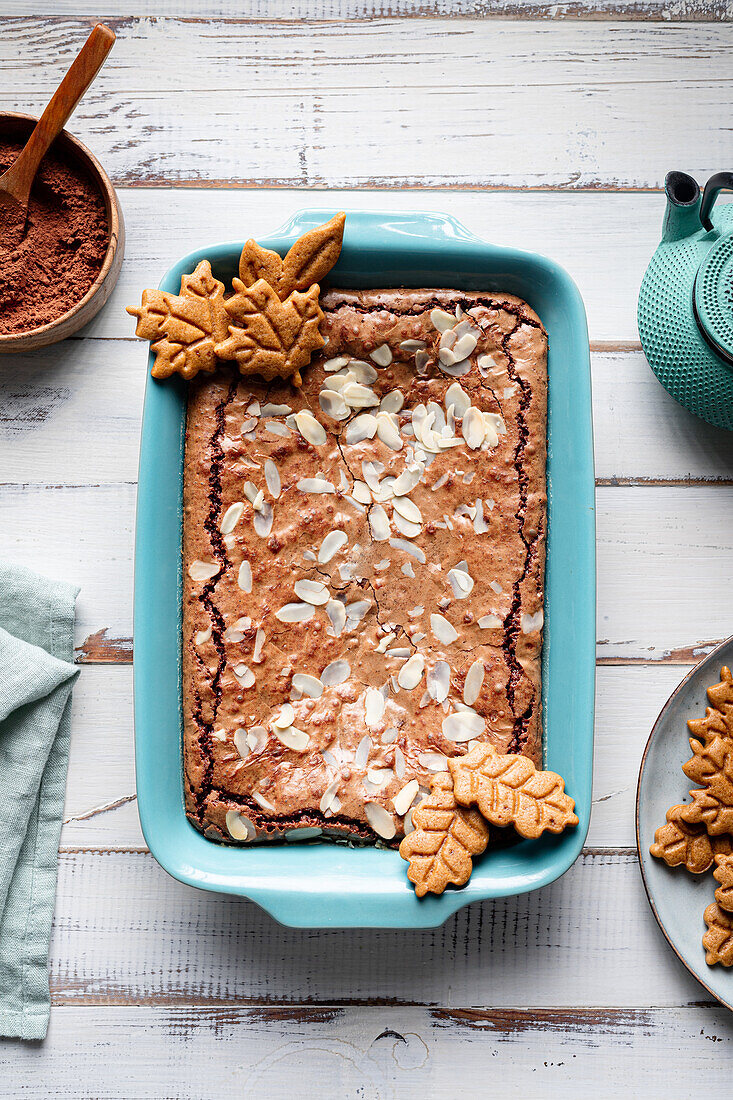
(509, 790)
(184, 327)
(444, 839)
(718, 940)
(678, 842)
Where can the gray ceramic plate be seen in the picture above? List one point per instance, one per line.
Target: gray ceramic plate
(677, 898)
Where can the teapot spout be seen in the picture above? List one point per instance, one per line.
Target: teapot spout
(682, 216)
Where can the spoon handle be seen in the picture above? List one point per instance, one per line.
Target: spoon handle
(61, 105)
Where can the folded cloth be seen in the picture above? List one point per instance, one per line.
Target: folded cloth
(36, 678)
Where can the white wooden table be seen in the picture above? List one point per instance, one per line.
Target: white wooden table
(548, 126)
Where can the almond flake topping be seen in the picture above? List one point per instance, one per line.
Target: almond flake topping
(293, 738)
(333, 405)
(408, 509)
(285, 718)
(465, 344)
(534, 622)
(392, 402)
(363, 372)
(374, 705)
(404, 799)
(202, 570)
(473, 428)
(331, 545)
(202, 636)
(240, 743)
(388, 430)
(335, 673)
(442, 629)
(262, 520)
(337, 614)
(458, 400)
(309, 428)
(272, 477)
(433, 761)
(411, 673)
(239, 827)
(244, 577)
(380, 821)
(295, 613)
(360, 428)
(231, 518)
(316, 485)
(335, 364)
(308, 685)
(415, 551)
(329, 795)
(441, 320)
(268, 409)
(314, 592)
(257, 738)
(245, 676)
(355, 612)
(474, 682)
(461, 582)
(358, 396)
(463, 726)
(489, 622)
(412, 345)
(259, 642)
(362, 752)
(378, 523)
(382, 355)
(438, 681)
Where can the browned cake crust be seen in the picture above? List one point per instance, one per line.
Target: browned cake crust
(459, 540)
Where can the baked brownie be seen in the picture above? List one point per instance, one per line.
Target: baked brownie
(363, 566)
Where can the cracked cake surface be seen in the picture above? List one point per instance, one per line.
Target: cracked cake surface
(363, 566)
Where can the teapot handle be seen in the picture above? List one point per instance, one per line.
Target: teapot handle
(721, 181)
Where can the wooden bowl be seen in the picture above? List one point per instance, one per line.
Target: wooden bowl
(19, 126)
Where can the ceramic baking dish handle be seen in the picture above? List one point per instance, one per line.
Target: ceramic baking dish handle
(382, 229)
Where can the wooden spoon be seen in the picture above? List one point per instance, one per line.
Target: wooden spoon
(16, 182)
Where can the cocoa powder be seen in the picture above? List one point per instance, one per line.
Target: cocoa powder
(64, 245)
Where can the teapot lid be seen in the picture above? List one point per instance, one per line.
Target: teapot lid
(713, 297)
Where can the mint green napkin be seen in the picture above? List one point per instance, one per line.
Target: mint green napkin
(36, 678)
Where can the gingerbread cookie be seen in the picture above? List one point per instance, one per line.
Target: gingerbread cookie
(509, 790)
(723, 874)
(678, 842)
(444, 839)
(270, 326)
(185, 328)
(712, 767)
(718, 940)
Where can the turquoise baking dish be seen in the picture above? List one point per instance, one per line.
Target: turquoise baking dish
(320, 885)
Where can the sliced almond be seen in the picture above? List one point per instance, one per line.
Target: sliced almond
(295, 613)
(293, 738)
(272, 477)
(333, 405)
(408, 509)
(490, 622)
(438, 681)
(374, 706)
(202, 636)
(442, 629)
(337, 614)
(244, 675)
(412, 345)
(433, 761)
(463, 726)
(285, 718)
(308, 685)
(331, 545)
(358, 396)
(411, 673)
(240, 743)
(474, 682)
(262, 520)
(202, 570)
(388, 431)
(415, 551)
(530, 623)
(378, 523)
(360, 428)
(458, 400)
(314, 592)
(392, 402)
(335, 673)
(239, 827)
(231, 518)
(381, 822)
(244, 577)
(461, 583)
(405, 527)
(473, 428)
(382, 355)
(362, 371)
(441, 320)
(361, 492)
(270, 409)
(329, 795)
(259, 642)
(404, 799)
(336, 363)
(310, 428)
(464, 345)
(316, 485)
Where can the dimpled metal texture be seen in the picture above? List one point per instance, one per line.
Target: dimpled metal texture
(714, 295)
(674, 346)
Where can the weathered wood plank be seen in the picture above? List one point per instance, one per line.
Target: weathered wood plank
(127, 933)
(373, 1053)
(322, 10)
(392, 102)
(100, 806)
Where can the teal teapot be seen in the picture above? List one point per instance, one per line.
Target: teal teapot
(685, 311)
